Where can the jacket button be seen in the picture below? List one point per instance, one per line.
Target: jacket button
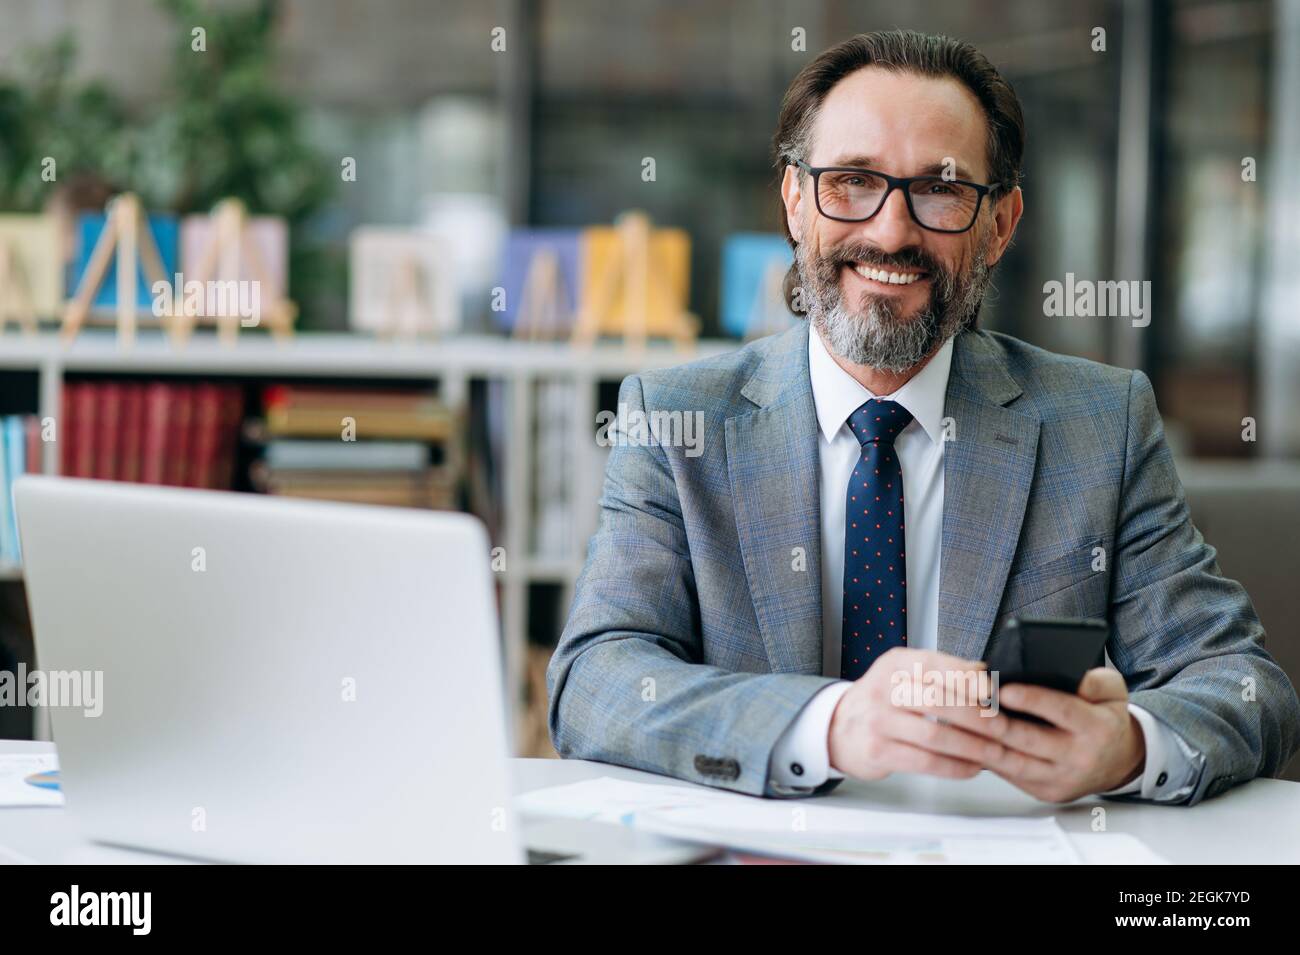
(713, 766)
(1162, 779)
(796, 768)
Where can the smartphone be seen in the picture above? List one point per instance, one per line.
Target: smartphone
(1054, 652)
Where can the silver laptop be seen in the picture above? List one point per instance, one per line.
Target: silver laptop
(282, 680)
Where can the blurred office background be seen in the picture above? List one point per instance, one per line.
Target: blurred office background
(1167, 155)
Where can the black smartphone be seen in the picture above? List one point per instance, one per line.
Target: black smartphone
(1054, 652)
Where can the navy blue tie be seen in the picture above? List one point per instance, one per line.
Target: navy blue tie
(875, 569)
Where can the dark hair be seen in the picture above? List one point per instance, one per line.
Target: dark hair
(902, 51)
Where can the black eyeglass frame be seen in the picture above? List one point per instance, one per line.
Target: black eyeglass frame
(897, 182)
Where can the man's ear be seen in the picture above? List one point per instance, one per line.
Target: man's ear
(792, 198)
(1006, 216)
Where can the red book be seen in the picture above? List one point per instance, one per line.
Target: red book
(274, 395)
(129, 451)
(83, 438)
(180, 436)
(64, 429)
(153, 442)
(35, 446)
(207, 425)
(232, 421)
(108, 430)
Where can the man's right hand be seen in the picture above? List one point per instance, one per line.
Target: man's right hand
(873, 734)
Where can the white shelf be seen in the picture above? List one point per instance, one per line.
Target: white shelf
(97, 350)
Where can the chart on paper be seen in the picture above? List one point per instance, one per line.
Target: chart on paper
(27, 779)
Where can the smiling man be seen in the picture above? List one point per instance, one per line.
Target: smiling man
(881, 490)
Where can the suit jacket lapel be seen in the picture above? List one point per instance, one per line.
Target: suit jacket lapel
(987, 471)
(773, 464)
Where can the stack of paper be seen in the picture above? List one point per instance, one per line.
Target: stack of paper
(800, 829)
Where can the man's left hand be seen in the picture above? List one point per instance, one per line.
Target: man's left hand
(1094, 744)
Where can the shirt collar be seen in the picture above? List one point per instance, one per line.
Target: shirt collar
(837, 394)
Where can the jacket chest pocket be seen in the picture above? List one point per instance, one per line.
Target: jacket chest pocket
(1069, 581)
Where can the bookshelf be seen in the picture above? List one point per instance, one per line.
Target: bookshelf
(452, 365)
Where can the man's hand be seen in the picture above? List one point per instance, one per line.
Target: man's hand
(881, 726)
(1093, 745)
(885, 724)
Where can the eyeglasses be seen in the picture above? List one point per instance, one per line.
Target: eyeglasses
(846, 194)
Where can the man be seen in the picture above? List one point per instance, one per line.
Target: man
(879, 492)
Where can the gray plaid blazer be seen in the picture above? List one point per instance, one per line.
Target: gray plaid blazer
(694, 637)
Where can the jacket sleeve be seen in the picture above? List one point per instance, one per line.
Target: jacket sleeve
(627, 681)
(1186, 638)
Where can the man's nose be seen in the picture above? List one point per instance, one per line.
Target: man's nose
(893, 228)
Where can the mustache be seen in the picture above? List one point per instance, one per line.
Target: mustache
(908, 258)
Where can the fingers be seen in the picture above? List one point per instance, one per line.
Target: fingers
(904, 758)
(954, 736)
(1102, 685)
(959, 703)
(954, 742)
(967, 712)
(1042, 742)
(1065, 710)
(911, 678)
(907, 727)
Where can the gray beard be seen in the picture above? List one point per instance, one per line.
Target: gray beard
(874, 334)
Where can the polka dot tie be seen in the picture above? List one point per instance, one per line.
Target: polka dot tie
(875, 572)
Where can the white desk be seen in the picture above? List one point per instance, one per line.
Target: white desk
(1255, 823)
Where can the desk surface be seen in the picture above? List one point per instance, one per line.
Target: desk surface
(1255, 823)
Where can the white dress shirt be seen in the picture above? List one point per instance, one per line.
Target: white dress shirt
(800, 759)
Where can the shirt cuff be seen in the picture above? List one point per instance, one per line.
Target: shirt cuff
(1171, 770)
(801, 757)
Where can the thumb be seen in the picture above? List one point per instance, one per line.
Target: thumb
(1103, 685)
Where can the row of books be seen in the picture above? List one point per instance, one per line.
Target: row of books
(406, 273)
(374, 446)
(155, 432)
(369, 446)
(355, 413)
(403, 278)
(377, 446)
(572, 265)
(182, 244)
(20, 452)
